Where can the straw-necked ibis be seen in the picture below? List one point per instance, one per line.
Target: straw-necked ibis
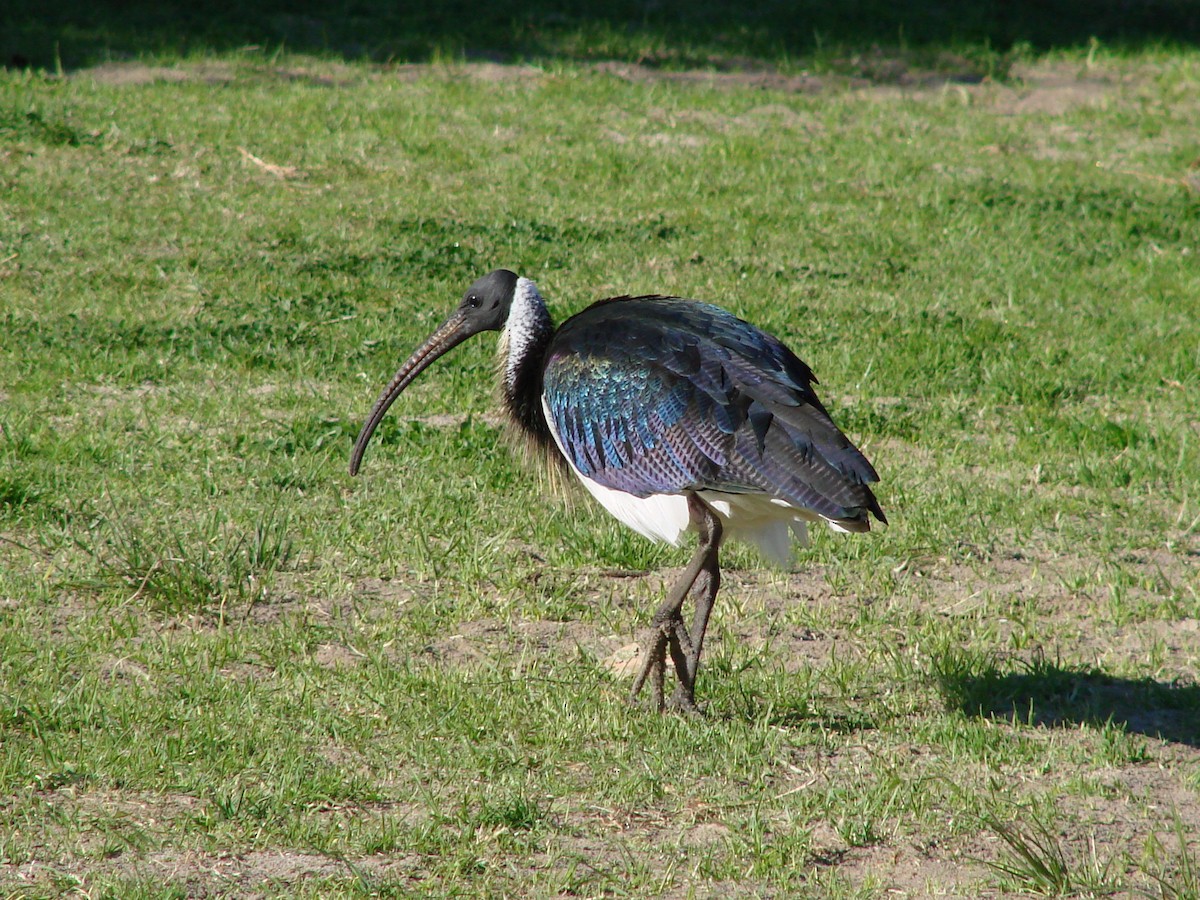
(676, 415)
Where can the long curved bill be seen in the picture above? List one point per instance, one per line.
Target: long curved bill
(449, 335)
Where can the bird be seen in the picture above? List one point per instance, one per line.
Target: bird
(677, 416)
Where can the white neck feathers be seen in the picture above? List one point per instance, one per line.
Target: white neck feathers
(527, 326)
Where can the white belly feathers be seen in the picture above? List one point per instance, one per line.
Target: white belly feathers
(767, 522)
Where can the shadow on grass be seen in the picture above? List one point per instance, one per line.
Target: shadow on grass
(74, 33)
(1046, 693)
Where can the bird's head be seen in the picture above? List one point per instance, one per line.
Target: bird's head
(484, 307)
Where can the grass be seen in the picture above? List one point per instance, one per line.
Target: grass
(190, 566)
(226, 667)
(1036, 862)
(969, 40)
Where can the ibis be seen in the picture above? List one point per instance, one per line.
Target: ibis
(676, 416)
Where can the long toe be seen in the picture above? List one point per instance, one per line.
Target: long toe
(672, 639)
(684, 701)
(653, 668)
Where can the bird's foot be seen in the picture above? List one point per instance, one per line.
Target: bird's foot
(670, 635)
(684, 701)
(653, 669)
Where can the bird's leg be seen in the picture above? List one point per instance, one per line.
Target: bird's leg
(705, 588)
(665, 629)
(705, 592)
(668, 630)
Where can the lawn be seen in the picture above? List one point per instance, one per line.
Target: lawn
(227, 668)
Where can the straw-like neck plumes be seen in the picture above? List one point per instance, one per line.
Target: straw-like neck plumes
(522, 351)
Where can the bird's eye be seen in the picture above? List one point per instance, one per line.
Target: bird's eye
(473, 302)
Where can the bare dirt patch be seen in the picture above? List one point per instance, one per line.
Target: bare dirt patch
(290, 598)
(489, 642)
(1045, 88)
(792, 84)
(489, 72)
(253, 874)
(337, 656)
(134, 74)
(128, 74)
(1054, 89)
(909, 872)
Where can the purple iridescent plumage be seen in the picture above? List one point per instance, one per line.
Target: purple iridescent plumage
(658, 395)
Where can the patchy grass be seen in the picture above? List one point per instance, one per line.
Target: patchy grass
(870, 38)
(226, 667)
(1036, 862)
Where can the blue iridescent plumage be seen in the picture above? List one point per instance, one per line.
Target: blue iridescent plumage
(654, 395)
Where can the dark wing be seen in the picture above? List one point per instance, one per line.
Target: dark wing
(660, 395)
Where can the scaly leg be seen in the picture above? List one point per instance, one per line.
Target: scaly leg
(668, 631)
(705, 590)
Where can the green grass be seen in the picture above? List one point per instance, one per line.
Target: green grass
(225, 666)
(1036, 862)
(967, 39)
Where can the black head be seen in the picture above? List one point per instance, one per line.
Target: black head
(484, 307)
(486, 303)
